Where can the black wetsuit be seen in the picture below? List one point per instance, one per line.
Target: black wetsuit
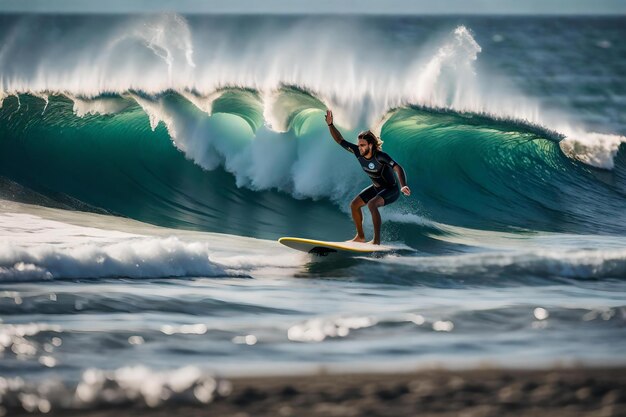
(380, 170)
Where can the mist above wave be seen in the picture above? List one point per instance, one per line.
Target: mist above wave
(356, 67)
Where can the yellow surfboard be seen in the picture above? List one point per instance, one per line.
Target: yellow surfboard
(323, 248)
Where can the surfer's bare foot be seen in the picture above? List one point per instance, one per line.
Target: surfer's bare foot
(374, 242)
(358, 238)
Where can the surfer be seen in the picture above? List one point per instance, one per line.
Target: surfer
(380, 168)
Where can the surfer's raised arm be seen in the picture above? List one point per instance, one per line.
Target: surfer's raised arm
(348, 146)
(333, 130)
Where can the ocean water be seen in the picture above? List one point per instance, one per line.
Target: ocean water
(149, 163)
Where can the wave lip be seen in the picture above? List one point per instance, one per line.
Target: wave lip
(594, 149)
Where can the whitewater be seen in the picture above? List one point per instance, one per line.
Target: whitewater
(149, 163)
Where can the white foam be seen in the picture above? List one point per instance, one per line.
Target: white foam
(582, 263)
(410, 218)
(300, 167)
(38, 247)
(204, 103)
(100, 105)
(595, 149)
(136, 258)
(33, 248)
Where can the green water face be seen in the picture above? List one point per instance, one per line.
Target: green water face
(479, 172)
(118, 163)
(466, 170)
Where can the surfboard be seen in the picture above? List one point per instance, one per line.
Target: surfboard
(323, 248)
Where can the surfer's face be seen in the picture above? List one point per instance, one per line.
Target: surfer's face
(364, 147)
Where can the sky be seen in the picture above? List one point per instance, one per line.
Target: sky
(507, 7)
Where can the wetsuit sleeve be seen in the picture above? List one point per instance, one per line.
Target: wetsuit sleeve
(384, 158)
(350, 147)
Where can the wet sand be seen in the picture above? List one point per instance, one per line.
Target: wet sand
(573, 392)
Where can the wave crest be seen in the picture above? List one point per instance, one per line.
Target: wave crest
(135, 258)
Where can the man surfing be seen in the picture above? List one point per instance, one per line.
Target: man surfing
(380, 168)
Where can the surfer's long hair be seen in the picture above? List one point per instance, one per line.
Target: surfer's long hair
(372, 139)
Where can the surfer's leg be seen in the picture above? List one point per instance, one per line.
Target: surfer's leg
(359, 201)
(384, 198)
(357, 216)
(373, 205)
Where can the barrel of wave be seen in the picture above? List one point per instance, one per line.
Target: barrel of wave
(483, 172)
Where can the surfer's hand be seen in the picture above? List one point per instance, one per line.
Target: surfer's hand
(406, 190)
(329, 117)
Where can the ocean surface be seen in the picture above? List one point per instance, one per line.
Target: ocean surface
(149, 163)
